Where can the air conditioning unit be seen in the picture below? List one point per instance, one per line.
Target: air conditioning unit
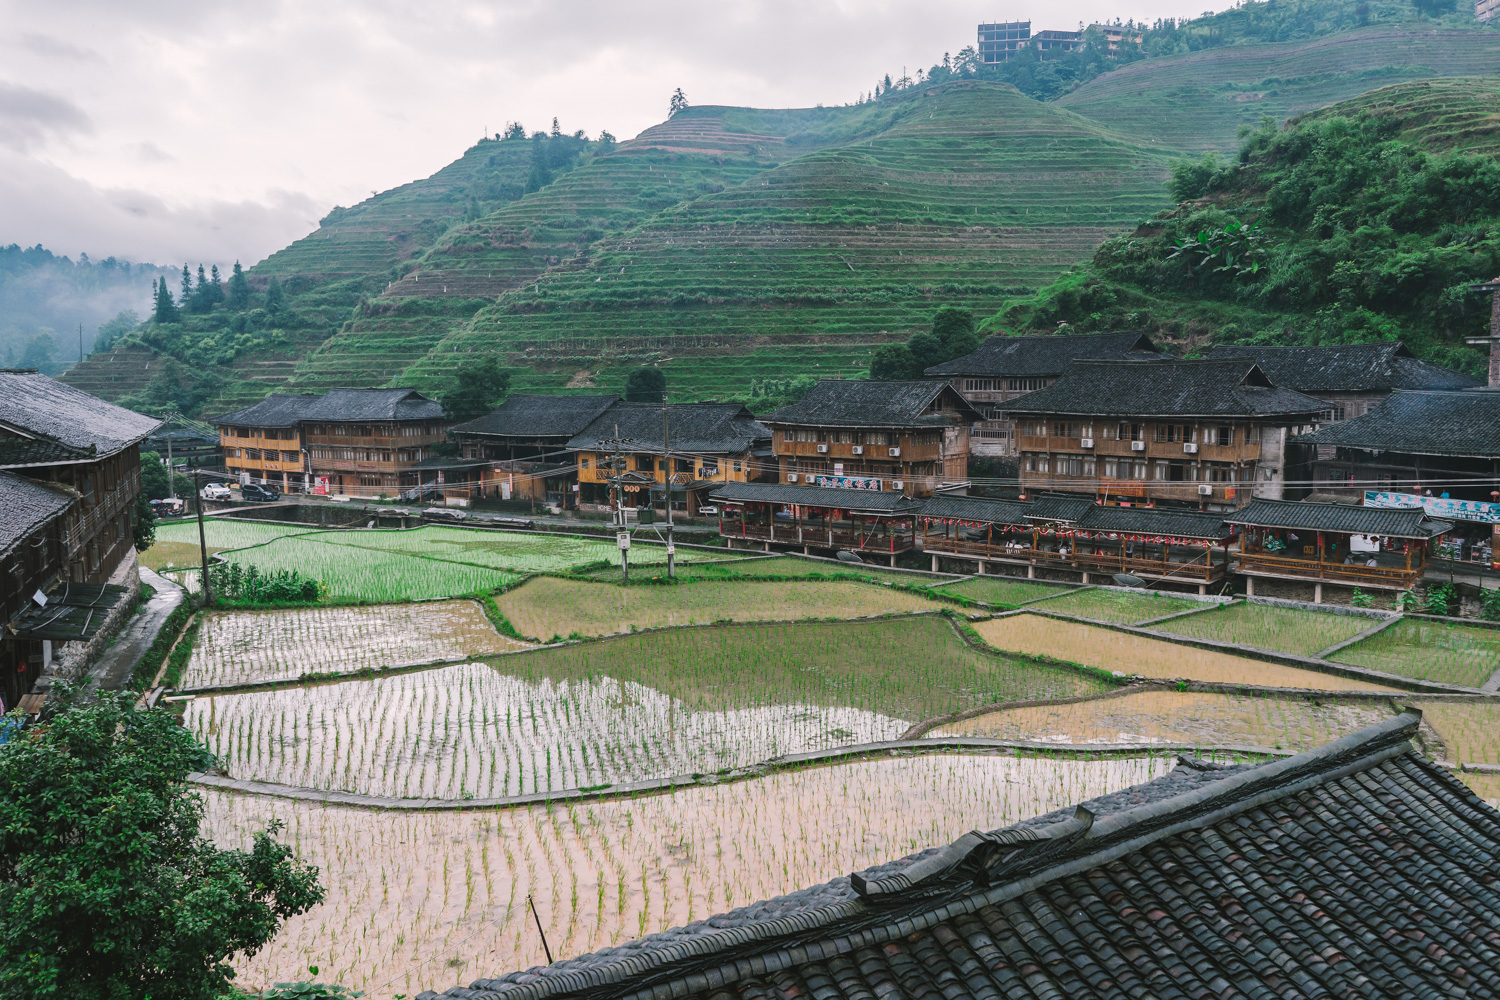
(1137, 446)
(893, 452)
(1205, 490)
(791, 477)
(1190, 448)
(1085, 442)
(897, 484)
(822, 449)
(858, 449)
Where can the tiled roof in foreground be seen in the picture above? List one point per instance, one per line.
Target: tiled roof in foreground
(1358, 869)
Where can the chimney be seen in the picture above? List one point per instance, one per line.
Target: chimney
(1493, 340)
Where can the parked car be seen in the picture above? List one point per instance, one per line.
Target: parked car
(168, 508)
(427, 491)
(444, 514)
(215, 491)
(259, 494)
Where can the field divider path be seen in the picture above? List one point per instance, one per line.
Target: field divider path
(1060, 593)
(649, 786)
(1394, 681)
(1378, 627)
(1184, 614)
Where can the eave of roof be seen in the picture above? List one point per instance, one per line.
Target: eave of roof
(1421, 422)
(1384, 522)
(871, 501)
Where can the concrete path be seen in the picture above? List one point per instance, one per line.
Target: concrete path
(112, 670)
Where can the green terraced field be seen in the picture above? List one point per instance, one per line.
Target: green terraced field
(1437, 115)
(1211, 93)
(1287, 630)
(1001, 592)
(1431, 651)
(1117, 606)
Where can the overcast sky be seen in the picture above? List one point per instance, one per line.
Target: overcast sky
(165, 131)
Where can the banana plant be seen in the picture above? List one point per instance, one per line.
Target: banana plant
(1237, 248)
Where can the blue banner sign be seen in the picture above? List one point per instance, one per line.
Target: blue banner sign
(1443, 507)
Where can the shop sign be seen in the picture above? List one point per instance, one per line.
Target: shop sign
(849, 483)
(1443, 507)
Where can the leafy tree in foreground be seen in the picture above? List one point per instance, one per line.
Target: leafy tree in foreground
(478, 387)
(143, 531)
(108, 890)
(646, 385)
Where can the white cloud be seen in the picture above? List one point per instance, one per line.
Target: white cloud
(235, 121)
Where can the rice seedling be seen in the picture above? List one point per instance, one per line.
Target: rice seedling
(547, 606)
(791, 566)
(1432, 651)
(1192, 717)
(1090, 645)
(1118, 605)
(511, 550)
(417, 897)
(177, 543)
(1000, 592)
(1470, 731)
(658, 704)
(1486, 786)
(1264, 626)
(240, 647)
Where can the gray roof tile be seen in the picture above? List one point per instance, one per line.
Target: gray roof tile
(1422, 423)
(851, 403)
(1339, 517)
(40, 407)
(279, 409)
(874, 501)
(692, 428)
(977, 509)
(528, 416)
(1003, 355)
(27, 505)
(340, 405)
(1378, 367)
(1175, 388)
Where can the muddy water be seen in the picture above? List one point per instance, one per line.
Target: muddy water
(421, 901)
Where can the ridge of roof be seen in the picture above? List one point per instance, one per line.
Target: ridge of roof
(1380, 365)
(695, 428)
(343, 405)
(536, 415)
(1045, 354)
(869, 403)
(1421, 422)
(279, 409)
(41, 407)
(1177, 387)
(972, 872)
(1393, 522)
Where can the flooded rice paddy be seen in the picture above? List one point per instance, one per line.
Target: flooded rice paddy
(547, 606)
(1107, 649)
(427, 900)
(1123, 606)
(1264, 626)
(1431, 651)
(244, 647)
(1001, 592)
(1196, 718)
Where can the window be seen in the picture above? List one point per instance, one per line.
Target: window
(1026, 384)
(583, 463)
(1129, 432)
(788, 435)
(1111, 468)
(1223, 436)
(736, 467)
(1253, 434)
(1088, 467)
(1139, 470)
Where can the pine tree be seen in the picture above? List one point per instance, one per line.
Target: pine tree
(215, 289)
(679, 102)
(165, 308)
(556, 129)
(185, 297)
(239, 289)
(275, 299)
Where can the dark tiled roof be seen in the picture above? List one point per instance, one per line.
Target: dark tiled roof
(41, 407)
(340, 405)
(1003, 355)
(1052, 507)
(26, 505)
(1357, 869)
(20, 452)
(1155, 521)
(978, 509)
(1385, 522)
(1175, 388)
(538, 416)
(877, 501)
(694, 428)
(280, 409)
(850, 403)
(1422, 423)
(1378, 367)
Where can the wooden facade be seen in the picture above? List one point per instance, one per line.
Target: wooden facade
(816, 520)
(904, 437)
(368, 442)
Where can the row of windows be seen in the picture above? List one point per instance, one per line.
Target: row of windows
(1223, 434)
(270, 434)
(258, 455)
(375, 430)
(878, 438)
(1001, 384)
(1124, 468)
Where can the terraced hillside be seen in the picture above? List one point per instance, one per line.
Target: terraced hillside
(1440, 116)
(471, 265)
(1213, 92)
(965, 194)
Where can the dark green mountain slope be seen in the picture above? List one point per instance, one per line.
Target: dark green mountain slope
(1208, 95)
(967, 193)
(1361, 234)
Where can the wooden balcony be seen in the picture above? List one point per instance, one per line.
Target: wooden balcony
(1207, 566)
(1314, 570)
(819, 537)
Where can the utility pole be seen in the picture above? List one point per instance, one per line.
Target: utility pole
(666, 443)
(617, 502)
(208, 595)
(80, 343)
(171, 469)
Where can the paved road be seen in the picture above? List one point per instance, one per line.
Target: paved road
(112, 670)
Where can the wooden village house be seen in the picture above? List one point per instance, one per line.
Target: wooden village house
(520, 449)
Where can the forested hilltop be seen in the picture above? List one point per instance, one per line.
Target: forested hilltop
(1365, 221)
(739, 248)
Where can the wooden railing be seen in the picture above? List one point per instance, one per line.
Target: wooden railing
(827, 538)
(1337, 572)
(1202, 568)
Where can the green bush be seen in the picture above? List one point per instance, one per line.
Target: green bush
(304, 990)
(236, 584)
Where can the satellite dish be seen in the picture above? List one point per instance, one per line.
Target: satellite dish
(1126, 580)
(844, 555)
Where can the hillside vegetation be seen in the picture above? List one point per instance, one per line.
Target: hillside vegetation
(963, 193)
(1341, 227)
